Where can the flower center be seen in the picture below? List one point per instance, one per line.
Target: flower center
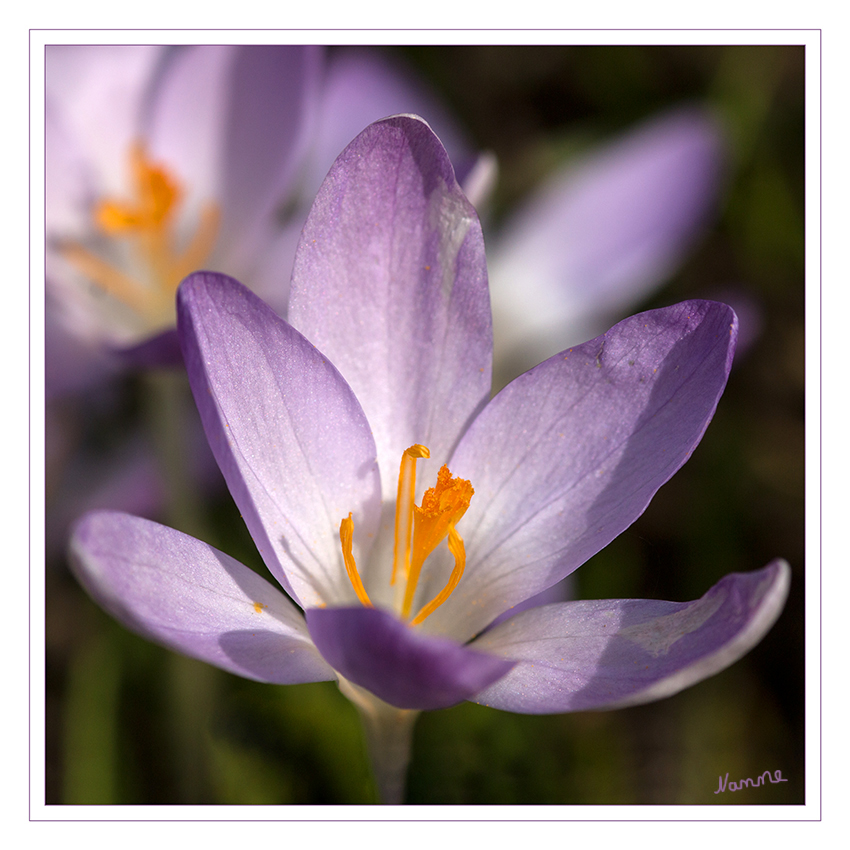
(419, 529)
(145, 223)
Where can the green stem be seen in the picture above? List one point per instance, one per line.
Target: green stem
(389, 737)
(169, 406)
(192, 687)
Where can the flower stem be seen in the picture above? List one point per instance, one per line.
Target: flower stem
(389, 736)
(169, 407)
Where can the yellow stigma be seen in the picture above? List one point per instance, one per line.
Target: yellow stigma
(419, 529)
(146, 221)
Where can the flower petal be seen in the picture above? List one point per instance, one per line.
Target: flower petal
(188, 596)
(232, 122)
(604, 232)
(619, 652)
(362, 86)
(569, 455)
(390, 283)
(287, 432)
(96, 93)
(271, 113)
(397, 663)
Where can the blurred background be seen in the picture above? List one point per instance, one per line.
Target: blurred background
(131, 723)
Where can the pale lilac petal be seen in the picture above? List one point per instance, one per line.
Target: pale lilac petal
(272, 266)
(233, 122)
(287, 432)
(69, 178)
(569, 455)
(97, 92)
(274, 92)
(614, 653)
(186, 118)
(398, 663)
(563, 591)
(188, 596)
(390, 283)
(605, 232)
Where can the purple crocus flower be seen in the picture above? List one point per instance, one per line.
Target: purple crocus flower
(401, 509)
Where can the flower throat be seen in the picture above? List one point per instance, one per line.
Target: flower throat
(419, 529)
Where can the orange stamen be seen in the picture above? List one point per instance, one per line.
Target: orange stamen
(457, 549)
(419, 529)
(346, 532)
(442, 507)
(157, 196)
(147, 219)
(404, 509)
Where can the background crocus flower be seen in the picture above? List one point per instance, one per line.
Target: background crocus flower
(161, 161)
(394, 573)
(602, 233)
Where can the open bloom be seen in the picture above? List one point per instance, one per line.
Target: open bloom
(400, 508)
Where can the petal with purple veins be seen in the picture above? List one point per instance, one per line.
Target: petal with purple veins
(188, 596)
(390, 282)
(569, 455)
(618, 652)
(286, 431)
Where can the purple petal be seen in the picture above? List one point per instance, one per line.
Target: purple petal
(400, 664)
(190, 597)
(563, 591)
(390, 283)
(605, 231)
(272, 104)
(614, 652)
(569, 455)
(96, 93)
(363, 86)
(233, 121)
(287, 432)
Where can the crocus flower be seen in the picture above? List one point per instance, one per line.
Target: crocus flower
(602, 232)
(399, 507)
(160, 162)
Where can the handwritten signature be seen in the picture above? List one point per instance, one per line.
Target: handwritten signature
(748, 783)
